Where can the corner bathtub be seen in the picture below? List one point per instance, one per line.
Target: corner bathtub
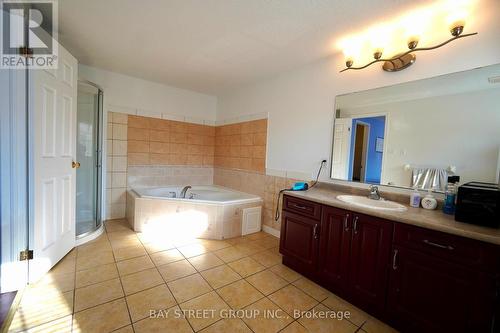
(210, 212)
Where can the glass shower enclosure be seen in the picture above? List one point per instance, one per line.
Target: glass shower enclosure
(89, 156)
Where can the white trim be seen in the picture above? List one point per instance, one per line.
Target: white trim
(271, 231)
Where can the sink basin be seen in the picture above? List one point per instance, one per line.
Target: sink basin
(373, 204)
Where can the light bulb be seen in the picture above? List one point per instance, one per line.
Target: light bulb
(351, 49)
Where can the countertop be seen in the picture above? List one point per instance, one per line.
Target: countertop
(430, 219)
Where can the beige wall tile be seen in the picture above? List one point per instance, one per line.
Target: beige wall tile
(119, 148)
(119, 118)
(138, 159)
(119, 132)
(138, 122)
(138, 146)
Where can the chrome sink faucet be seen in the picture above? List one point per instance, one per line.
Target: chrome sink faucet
(183, 192)
(374, 193)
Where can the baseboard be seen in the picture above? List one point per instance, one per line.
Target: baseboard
(271, 231)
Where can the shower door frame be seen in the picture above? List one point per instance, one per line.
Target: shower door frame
(98, 151)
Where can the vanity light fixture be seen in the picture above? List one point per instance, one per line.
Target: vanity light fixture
(406, 59)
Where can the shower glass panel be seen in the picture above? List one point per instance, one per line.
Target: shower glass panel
(88, 154)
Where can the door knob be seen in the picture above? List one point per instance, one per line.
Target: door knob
(75, 165)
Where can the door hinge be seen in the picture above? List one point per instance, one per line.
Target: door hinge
(26, 255)
(26, 52)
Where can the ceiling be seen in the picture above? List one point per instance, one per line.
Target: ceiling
(212, 46)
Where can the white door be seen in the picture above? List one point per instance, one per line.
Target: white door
(341, 148)
(53, 115)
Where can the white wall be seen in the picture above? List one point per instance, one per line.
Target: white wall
(126, 94)
(460, 130)
(300, 103)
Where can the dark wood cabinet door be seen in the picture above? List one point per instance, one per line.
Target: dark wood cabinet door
(299, 242)
(369, 262)
(429, 294)
(335, 248)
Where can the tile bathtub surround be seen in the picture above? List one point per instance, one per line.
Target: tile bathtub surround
(115, 292)
(265, 186)
(164, 175)
(242, 146)
(153, 141)
(116, 178)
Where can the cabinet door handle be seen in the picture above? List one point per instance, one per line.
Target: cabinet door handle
(346, 221)
(315, 231)
(299, 206)
(394, 260)
(355, 226)
(446, 247)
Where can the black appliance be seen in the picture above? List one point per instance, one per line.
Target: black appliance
(478, 203)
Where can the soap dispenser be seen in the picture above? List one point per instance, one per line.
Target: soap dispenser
(429, 202)
(415, 198)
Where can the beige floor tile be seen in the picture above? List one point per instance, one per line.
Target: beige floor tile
(39, 308)
(193, 250)
(373, 325)
(96, 274)
(64, 266)
(124, 242)
(169, 323)
(176, 270)
(210, 302)
(233, 325)
(135, 282)
(117, 225)
(246, 266)
(166, 257)
(239, 294)
(129, 252)
(249, 248)
(98, 293)
(94, 248)
(327, 325)
(237, 240)
(256, 236)
(267, 258)
(126, 329)
(189, 287)
(285, 272)
(220, 276)
(292, 299)
(157, 298)
(269, 319)
(60, 282)
(214, 245)
(205, 261)
(266, 282)
(133, 265)
(268, 242)
(89, 261)
(157, 246)
(312, 289)
(61, 325)
(335, 303)
(295, 327)
(122, 235)
(102, 318)
(229, 254)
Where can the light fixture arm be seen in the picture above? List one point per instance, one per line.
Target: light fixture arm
(399, 56)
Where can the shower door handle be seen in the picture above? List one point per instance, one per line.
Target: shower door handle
(75, 165)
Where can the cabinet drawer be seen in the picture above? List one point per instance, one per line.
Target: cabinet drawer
(449, 247)
(303, 207)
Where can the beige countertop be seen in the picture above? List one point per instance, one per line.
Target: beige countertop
(431, 219)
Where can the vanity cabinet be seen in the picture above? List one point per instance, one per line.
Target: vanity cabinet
(417, 279)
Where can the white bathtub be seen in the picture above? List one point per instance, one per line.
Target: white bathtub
(211, 212)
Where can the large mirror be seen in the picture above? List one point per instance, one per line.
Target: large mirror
(418, 133)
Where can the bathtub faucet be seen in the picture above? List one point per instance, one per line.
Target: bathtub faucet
(183, 192)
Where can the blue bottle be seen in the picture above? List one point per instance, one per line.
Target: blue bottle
(450, 195)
